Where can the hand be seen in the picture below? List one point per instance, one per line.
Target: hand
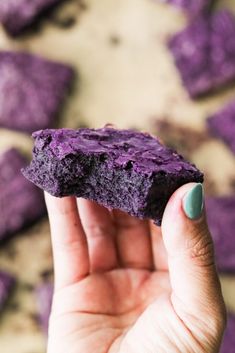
(123, 285)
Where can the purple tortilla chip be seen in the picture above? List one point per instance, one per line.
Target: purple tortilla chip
(120, 169)
(222, 125)
(44, 295)
(6, 284)
(228, 344)
(204, 53)
(192, 7)
(15, 15)
(221, 221)
(31, 91)
(21, 203)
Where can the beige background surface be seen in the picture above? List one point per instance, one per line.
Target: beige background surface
(126, 77)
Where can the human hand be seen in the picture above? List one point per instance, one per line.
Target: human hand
(123, 285)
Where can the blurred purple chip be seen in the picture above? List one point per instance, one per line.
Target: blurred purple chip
(228, 344)
(21, 203)
(31, 90)
(6, 284)
(192, 7)
(204, 53)
(16, 15)
(222, 125)
(221, 221)
(44, 295)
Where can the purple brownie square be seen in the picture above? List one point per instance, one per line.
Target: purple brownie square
(6, 284)
(16, 15)
(204, 53)
(221, 221)
(192, 7)
(228, 344)
(222, 125)
(21, 203)
(44, 295)
(32, 90)
(120, 169)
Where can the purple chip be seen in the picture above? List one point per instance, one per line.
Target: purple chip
(120, 169)
(16, 15)
(221, 221)
(204, 53)
(222, 125)
(192, 7)
(44, 295)
(228, 344)
(6, 284)
(31, 90)
(21, 203)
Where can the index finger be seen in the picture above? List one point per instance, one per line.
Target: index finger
(69, 244)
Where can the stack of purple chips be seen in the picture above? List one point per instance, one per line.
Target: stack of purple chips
(15, 15)
(44, 295)
(21, 203)
(32, 90)
(204, 53)
(221, 221)
(120, 169)
(6, 284)
(222, 125)
(228, 345)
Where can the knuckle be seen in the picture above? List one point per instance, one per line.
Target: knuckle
(200, 247)
(98, 231)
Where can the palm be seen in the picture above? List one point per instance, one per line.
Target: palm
(113, 292)
(116, 300)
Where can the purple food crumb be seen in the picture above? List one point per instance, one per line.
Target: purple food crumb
(16, 15)
(204, 53)
(21, 203)
(44, 295)
(31, 90)
(120, 169)
(6, 284)
(228, 344)
(192, 7)
(221, 221)
(222, 125)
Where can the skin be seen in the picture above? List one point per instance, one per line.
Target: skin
(123, 285)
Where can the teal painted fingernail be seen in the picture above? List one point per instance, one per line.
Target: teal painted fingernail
(193, 202)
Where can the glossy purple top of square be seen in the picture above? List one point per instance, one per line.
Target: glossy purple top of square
(31, 90)
(204, 53)
(222, 125)
(145, 152)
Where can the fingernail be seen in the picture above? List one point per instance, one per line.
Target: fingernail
(193, 202)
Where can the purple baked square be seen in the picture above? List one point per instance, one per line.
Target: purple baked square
(228, 344)
(21, 203)
(32, 90)
(204, 53)
(222, 125)
(120, 169)
(16, 15)
(192, 7)
(6, 284)
(221, 221)
(44, 295)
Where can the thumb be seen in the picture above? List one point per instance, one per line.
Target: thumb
(195, 283)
